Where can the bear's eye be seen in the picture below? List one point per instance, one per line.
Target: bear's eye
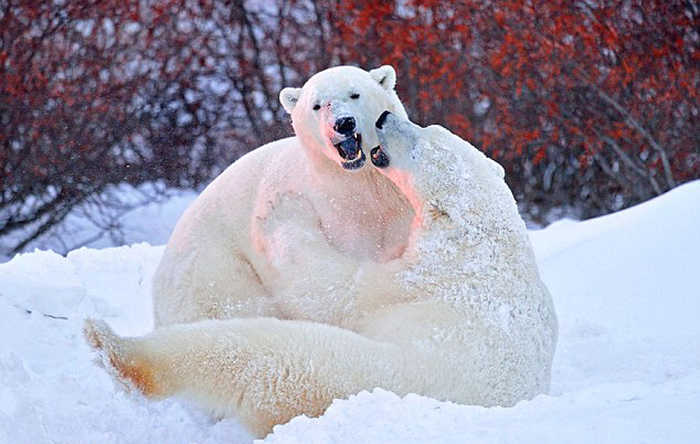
(317, 107)
(354, 96)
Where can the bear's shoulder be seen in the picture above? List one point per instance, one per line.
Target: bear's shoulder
(445, 139)
(253, 164)
(240, 180)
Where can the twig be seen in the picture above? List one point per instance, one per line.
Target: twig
(47, 315)
(631, 121)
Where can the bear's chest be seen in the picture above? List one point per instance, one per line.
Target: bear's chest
(291, 226)
(364, 228)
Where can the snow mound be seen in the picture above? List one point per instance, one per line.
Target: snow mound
(627, 367)
(607, 413)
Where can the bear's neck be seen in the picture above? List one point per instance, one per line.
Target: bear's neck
(319, 161)
(363, 213)
(404, 183)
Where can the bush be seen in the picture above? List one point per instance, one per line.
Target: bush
(589, 108)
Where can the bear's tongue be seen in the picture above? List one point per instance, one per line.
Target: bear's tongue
(349, 148)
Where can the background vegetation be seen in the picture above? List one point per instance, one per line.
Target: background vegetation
(591, 106)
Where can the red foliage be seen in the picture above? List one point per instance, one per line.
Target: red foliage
(592, 105)
(95, 93)
(605, 85)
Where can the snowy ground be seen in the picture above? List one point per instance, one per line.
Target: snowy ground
(627, 367)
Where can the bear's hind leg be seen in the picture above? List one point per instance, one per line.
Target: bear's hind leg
(122, 360)
(263, 371)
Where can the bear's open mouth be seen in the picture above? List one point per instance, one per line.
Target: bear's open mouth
(355, 163)
(350, 150)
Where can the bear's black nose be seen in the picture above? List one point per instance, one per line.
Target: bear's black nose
(344, 125)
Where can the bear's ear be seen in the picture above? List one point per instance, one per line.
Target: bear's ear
(289, 98)
(385, 76)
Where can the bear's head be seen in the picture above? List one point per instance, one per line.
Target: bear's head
(432, 164)
(334, 112)
(403, 145)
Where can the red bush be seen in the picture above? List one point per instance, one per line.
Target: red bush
(590, 106)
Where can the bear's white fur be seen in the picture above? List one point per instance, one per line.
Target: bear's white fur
(283, 230)
(452, 309)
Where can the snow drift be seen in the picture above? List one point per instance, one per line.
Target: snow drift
(627, 367)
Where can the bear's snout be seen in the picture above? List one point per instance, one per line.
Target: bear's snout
(345, 125)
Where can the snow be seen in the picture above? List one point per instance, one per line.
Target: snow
(627, 367)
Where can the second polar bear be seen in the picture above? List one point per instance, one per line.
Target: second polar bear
(468, 318)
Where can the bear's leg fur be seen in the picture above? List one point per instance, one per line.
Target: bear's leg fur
(212, 281)
(264, 371)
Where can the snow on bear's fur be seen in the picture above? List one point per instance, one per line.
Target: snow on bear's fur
(425, 282)
(472, 255)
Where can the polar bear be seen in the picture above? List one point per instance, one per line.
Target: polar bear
(460, 315)
(283, 230)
